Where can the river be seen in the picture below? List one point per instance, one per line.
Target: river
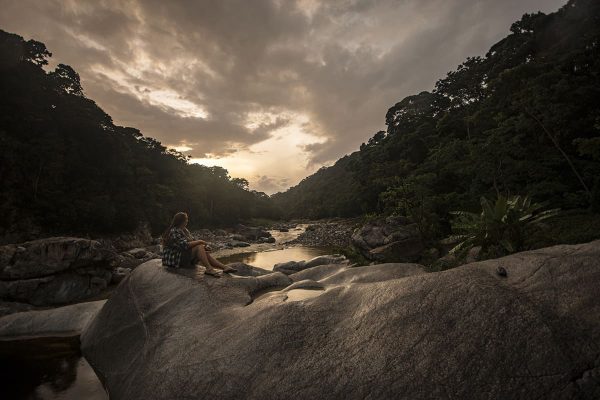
(266, 255)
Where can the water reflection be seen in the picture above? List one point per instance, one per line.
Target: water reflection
(267, 259)
(48, 372)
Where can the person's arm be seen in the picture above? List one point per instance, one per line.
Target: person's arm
(189, 239)
(194, 243)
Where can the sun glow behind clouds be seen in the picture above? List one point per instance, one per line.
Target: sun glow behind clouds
(279, 157)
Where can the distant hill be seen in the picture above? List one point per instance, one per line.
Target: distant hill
(66, 168)
(329, 192)
(523, 119)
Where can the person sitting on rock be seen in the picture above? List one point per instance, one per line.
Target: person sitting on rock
(180, 250)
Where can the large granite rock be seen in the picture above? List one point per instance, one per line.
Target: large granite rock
(11, 307)
(57, 322)
(386, 331)
(55, 270)
(291, 267)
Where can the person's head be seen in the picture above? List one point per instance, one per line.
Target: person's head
(179, 220)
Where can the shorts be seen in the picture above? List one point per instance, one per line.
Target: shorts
(187, 259)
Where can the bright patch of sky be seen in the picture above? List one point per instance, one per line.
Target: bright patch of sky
(279, 157)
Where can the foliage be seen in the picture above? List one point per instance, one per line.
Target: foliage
(502, 223)
(413, 198)
(569, 227)
(523, 118)
(66, 168)
(330, 192)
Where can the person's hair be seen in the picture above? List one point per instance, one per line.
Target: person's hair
(177, 221)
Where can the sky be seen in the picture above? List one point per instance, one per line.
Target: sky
(271, 90)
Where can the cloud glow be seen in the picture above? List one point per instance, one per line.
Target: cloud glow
(269, 89)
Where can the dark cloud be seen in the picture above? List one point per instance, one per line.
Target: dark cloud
(339, 64)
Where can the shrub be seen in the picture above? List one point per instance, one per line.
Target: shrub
(499, 227)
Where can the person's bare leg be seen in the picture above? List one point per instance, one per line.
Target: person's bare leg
(218, 264)
(215, 263)
(202, 255)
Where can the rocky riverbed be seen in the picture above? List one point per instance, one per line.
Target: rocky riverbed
(61, 270)
(327, 233)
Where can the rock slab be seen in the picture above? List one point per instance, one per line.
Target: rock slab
(56, 270)
(388, 331)
(57, 322)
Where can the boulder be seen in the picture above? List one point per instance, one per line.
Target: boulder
(138, 252)
(49, 256)
(57, 289)
(391, 239)
(248, 270)
(11, 307)
(56, 322)
(307, 284)
(251, 233)
(55, 270)
(369, 236)
(408, 250)
(382, 331)
(119, 274)
(134, 257)
(291, 267)
(238, 243)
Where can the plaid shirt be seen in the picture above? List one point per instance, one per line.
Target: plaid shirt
(177, 243)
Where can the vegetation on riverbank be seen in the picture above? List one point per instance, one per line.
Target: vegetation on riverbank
(522, 120)
(68, 169)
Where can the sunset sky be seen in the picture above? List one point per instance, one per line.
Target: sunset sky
(271, 90)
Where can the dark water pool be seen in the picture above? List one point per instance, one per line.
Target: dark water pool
(47, 368)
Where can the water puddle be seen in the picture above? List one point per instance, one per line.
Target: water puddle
(47, 369)
(267, 259)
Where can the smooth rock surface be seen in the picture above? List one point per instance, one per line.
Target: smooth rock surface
(11, 307)
(244, 269)
(375, 332)
(56, 322)
(291, 267)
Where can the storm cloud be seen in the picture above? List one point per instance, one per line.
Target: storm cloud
(287, 86)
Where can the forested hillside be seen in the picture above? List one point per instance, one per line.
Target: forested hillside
(66, 168)
(523, 119)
